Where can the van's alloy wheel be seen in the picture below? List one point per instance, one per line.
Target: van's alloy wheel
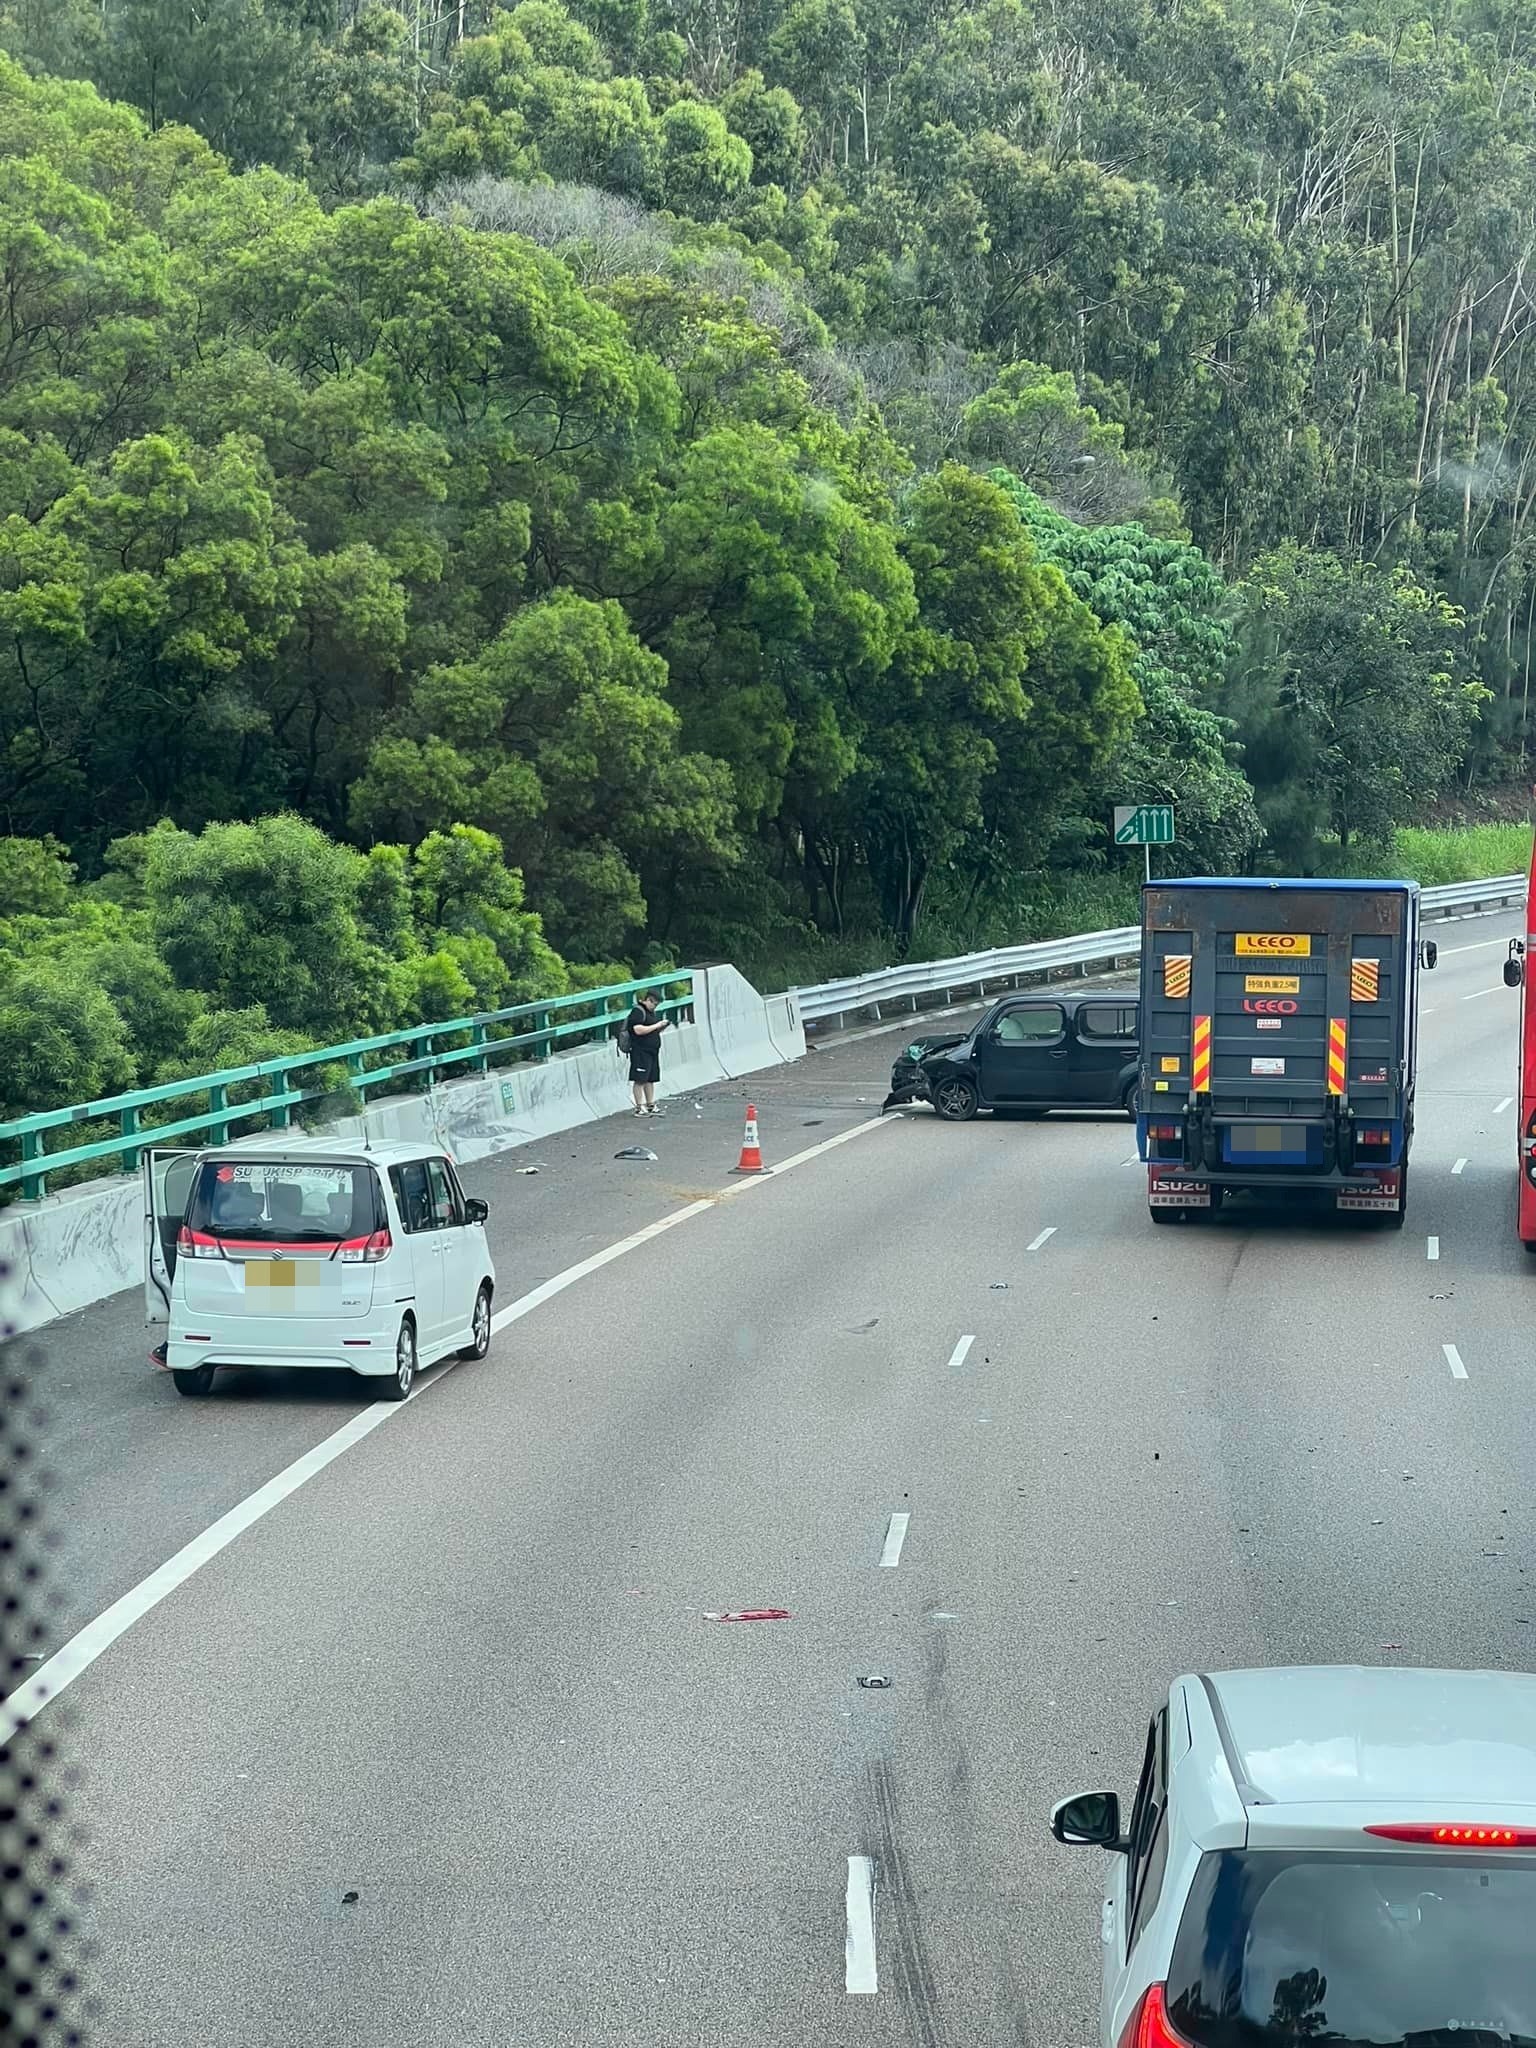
(955, 1099)
(397, 1387)
(481, 1326)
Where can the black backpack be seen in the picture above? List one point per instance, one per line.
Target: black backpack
(626, 1040)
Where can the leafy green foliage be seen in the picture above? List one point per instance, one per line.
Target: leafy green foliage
(758, 473)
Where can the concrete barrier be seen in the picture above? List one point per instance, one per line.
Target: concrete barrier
(85, 1244)
(739, 1027)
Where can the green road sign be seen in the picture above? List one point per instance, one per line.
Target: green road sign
(1144, 824)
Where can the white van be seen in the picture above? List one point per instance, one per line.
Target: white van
(308, 1253)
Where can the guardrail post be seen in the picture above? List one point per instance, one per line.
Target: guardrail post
(477, 1037)
(218, 1099)
(33, 1185)
(129, 1124)
(282, 1116)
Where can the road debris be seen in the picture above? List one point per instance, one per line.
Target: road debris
(875, 1682)
(636, 1152)
(752, 1614)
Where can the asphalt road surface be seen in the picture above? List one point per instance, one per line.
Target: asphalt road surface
(468, 1672)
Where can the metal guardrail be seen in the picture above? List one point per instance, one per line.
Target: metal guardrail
(482, 1039)
(1010, 966)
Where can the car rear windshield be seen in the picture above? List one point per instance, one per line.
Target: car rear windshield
(1362, 1949)
(277, 1201)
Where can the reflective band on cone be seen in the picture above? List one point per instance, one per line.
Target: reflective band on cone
(751, 1160)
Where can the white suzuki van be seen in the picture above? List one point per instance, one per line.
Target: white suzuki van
(308, 1253)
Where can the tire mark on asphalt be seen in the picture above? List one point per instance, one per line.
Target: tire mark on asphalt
(913, 1972)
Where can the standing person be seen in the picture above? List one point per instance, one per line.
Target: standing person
(645, 1029)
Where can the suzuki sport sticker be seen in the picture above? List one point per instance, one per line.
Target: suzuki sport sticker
(1271, 984)
(1294, 945)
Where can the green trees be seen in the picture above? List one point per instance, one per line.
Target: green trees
(1353, 689)
(787, 470)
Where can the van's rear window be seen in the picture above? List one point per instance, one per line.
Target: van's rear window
(248, 1201)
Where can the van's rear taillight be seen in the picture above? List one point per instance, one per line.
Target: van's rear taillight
(1149, 2026)
(195, 1244)
(367, 1251)
(1459, 1834)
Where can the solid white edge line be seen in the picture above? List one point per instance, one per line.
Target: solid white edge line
(1434, 1247)
(1459, 1166)
(1453, 1360)
(859, 1972)
(1495, 990)
(1049, 1231)
(957, 1356)
(895, 1536)
(1500, 1107)
(1481, 946)
(83, 1648)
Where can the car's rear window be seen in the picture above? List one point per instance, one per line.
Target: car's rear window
(276, 1201)
(1106, 1020)
(1383, 1950)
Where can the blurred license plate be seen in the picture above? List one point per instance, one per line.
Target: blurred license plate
(281, 1273)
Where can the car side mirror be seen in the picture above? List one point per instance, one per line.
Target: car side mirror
(1089, 1820)
(475, 1211)
(1514, 970)
(1429, 952)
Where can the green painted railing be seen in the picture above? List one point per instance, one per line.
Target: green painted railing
(488, 1041)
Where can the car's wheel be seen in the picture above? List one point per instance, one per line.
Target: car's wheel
(197, 1379)
(398, 1385)
(955, 1099)
(1128, 1100)
(480, 1343)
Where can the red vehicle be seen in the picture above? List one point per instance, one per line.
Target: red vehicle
(1517, 972)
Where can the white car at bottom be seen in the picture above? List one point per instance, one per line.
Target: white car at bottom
(1321, 1854)
(305, 1253)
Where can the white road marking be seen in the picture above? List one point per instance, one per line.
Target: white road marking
(895, 1536)
(1500, 1107)
(957, 1356)
(1134, 1160)
(859, 1973)
(1497, 989)
(1453, 1360)
(1050, 1231)
(82, 1650)
(1434, 1247)
(1481, 946)
(1459, 1167)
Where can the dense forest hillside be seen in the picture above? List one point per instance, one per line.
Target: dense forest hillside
(492, 495)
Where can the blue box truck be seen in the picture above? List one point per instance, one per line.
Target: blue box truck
(1279, 1042)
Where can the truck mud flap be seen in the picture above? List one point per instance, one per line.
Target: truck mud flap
(1384, 1199)
(1164, 1192)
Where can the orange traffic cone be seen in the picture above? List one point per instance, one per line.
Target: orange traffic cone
(751, 1160)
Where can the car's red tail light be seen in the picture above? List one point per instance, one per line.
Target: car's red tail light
(1149, 2025)
(1456, 1834)
(194, 1244)
(367, 1251)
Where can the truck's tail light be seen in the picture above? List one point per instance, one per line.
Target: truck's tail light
(1149, 2025)
(1163, 1130)
(1366, 1136)
(367, 1251)
(195, 1244)
(1455, 1834)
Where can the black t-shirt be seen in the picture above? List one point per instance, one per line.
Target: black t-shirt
(649, 1044)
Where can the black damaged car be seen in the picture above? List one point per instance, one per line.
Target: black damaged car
(1028, 1054)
